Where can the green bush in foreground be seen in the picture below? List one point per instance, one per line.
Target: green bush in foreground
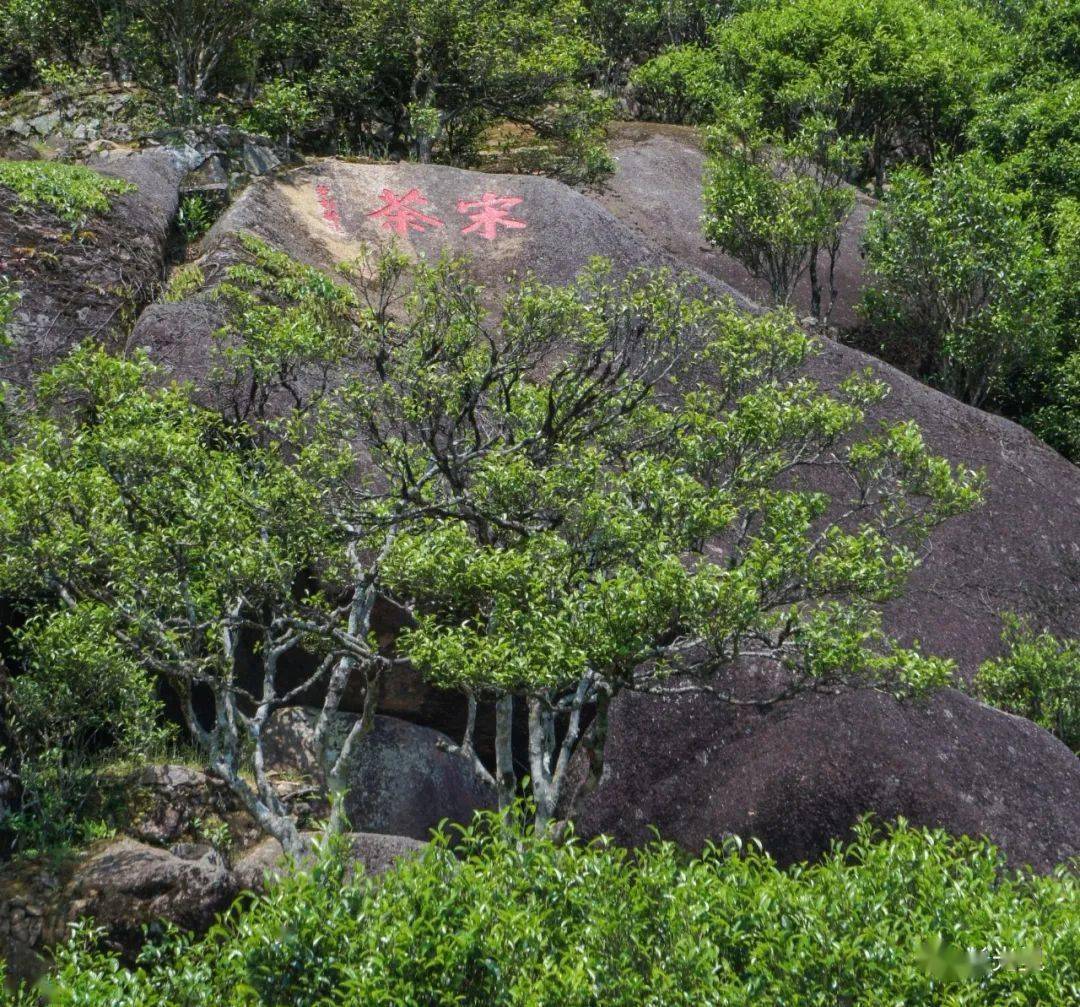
(71, 191)
(906, 918)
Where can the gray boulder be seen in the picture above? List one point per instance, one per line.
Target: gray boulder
(373, 854)
(799, 776)
(92, 285)
(401, 779)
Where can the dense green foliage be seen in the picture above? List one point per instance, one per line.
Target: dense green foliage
(970, 113)
(902, 75)
(1038, 678)
(512, 920)
(775, 203)
(957, 272)
(422, 78)
(71, 191)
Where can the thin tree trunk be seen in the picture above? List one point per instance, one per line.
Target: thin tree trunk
(815, 284)
(595, 743)
(505, 779)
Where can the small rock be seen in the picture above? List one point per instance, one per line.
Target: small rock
(45, 124)
(20, 127)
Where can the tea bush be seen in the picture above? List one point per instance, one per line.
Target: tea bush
(1038, 678)
(72, 191)
(903, 916)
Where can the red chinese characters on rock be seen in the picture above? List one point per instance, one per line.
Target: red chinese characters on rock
(329, 206)
(401, 213)
(489, 213)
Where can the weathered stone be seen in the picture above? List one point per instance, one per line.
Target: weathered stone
(90, 287)
(45, 124)
(127, 885)
(174, 803)
(212, 176)
(1019, 552)
(401, 779)
(122, 885)
(258, 158)
(374, 854)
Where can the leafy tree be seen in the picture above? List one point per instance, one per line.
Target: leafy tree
(958, 269)
(430, 75)
(283, 109)
(902, 75)
(629, 33)
(166, 539)
(1038, 678)
(178, 45)
(776, 206)
(1049, 44)
(194, 36)
(584, 532)
(1033, 131)
(1056, 416)
(553, 530)
(77, 700)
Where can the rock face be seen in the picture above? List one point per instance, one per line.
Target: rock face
(89, 286)
(123, 885)
(798, 777)
(401, 780)
(374, 854)
(656, 189)
(1020, 552)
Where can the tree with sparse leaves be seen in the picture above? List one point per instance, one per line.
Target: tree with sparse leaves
(779, 206)
(596, 490)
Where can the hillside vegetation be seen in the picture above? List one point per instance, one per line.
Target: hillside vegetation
(284, 515)
(505, 917)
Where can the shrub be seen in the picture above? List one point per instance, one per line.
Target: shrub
(1039, 678)
(957, 269)
(77, 701)
(904, 75)
(71, 191)
(195, 216)
(900, 917)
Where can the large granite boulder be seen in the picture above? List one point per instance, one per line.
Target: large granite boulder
(124, 886)
(799, 776)
(402, 779)
(92, 283)
(1019, 552)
